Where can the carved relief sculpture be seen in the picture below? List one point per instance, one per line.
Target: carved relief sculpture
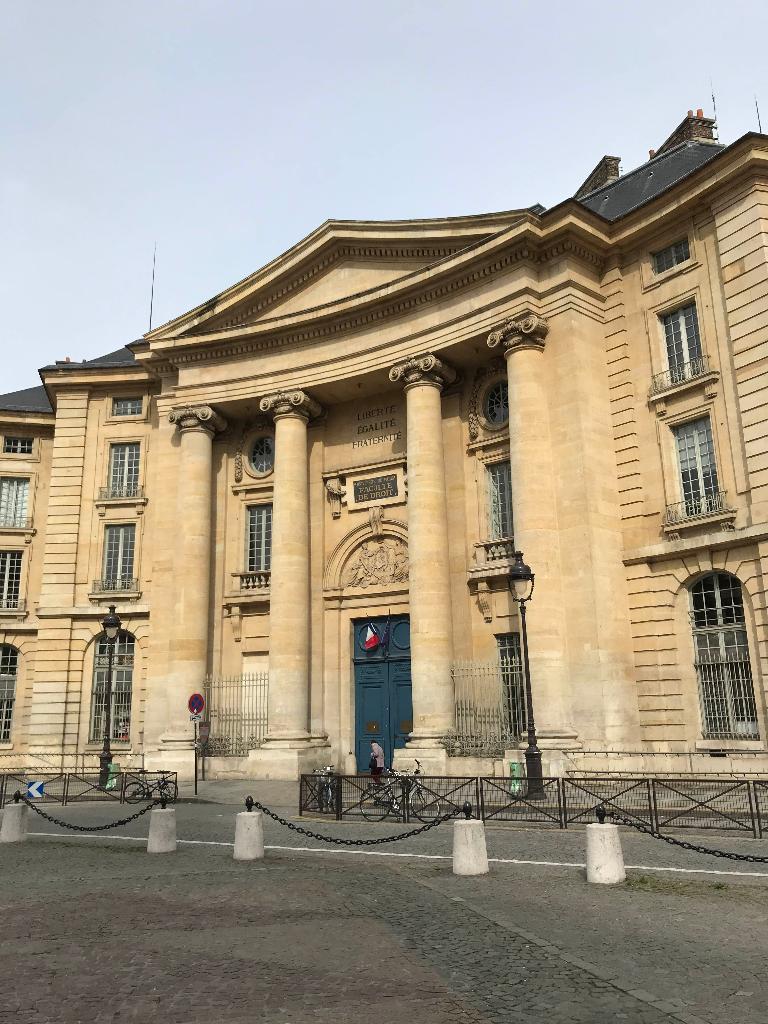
(529, 330)
(335, 493)
(493, 369)
(378, 563)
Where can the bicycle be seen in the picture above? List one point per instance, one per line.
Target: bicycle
(326, 789)
(151, 789)
(381, 800)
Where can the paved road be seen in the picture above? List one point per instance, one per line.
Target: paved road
(98, 931)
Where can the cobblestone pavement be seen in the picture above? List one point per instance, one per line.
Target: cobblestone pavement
(194, 936)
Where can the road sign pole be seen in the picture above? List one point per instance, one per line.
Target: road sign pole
(195, 758)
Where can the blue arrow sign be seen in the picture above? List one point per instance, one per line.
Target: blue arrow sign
(35, 790)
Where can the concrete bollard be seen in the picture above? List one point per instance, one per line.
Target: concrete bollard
(14, 826)
(249, 835)
(470, 856)
(162, 830)
(605, 860)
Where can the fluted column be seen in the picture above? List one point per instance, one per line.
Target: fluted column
(197, 426)
(534, 514)
(289, 606)
(430, 601)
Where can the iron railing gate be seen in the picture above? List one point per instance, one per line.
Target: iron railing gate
(236, 710)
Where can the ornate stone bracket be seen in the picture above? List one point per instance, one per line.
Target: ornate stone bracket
(529, 330)
(290, 403)
(197, 417)
(426, 369)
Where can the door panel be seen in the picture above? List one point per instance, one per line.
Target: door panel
(400, 703)
(371, 710)
(383, 708)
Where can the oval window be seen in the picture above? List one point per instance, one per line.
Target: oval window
(496, 404)
(263, 455)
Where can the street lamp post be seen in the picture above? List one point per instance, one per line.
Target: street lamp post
(520, 582)
(111, 625)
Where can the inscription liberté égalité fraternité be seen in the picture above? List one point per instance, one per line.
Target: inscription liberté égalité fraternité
(375, 426)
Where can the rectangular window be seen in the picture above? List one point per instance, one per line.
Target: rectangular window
(119, 547)
(122, 685)
(14, 502)
(513, 686)
(698, 473)
(259, 538)
(10, 578)
(18, 445)
(127, 406)
(499, 500)
(9, 668)
(124, 470)
(681, 331)
(666, 259)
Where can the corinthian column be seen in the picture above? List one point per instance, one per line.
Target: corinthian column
(430, 601)
(534, 513)
(197, 426)
(289, 605)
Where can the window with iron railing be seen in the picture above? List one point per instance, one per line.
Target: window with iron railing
(119, 551)
(698, 472)
(259, 538)
(683, 343)
(124, 460)
(499, 491)
(14, 502)
(9, 670)
(10, 579)
(511, 664)
(122, 688)
(726, 692)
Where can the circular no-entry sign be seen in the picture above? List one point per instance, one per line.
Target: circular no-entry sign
(196, 704)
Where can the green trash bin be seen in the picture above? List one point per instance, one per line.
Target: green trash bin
(113, 777)
(515, 778)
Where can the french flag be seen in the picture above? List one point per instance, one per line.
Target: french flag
(371, 640)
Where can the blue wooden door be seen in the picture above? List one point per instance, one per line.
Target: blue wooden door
(383, 707)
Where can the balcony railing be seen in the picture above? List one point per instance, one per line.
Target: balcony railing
(254, 581)
(490, 551)
(696, 508)
(115, 584)
(9, 521)
(12, 604)
(113, 493)
(679, 374)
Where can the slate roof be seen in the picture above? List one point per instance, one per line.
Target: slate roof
(650, 179)
(28, 400)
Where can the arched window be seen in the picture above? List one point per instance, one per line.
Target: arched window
(9, 670)
(496, 404)
(122, 685)
(728, 709)
(263, 455)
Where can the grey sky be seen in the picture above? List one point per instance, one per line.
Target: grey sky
(227, 130)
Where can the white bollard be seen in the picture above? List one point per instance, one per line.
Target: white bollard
(605, 860)
(14, 826)
(162, 830)
(470, 856)
(249, 836)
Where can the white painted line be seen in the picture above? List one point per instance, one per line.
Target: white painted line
(421, 856)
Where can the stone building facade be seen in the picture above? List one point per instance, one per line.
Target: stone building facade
(303, 496)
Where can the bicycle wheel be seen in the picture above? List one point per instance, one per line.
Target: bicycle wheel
(424, 805)
(135, 793)
(168, 789)
(375, 806)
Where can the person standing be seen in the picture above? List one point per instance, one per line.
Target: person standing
(376, 763)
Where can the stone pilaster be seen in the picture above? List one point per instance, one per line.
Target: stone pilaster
(197, 426)
(534, 515)
(287, 749)
(423, 378)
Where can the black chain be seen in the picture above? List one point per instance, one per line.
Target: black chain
(88, 828)
(726, 855)
(355, 842)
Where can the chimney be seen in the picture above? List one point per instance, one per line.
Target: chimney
(605, 172)
(693, 128)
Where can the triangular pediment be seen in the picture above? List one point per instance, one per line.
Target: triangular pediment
(339, 260)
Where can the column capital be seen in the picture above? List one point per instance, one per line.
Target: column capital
(425, 369)
(197, 417)
(290, 403)
(525, 331)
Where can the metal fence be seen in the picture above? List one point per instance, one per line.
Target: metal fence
(662, 804)
(236, 710)
(73, 787)
(490, 707)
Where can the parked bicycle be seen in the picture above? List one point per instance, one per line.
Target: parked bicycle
(399, 792)
(326, 789)
(142, 790)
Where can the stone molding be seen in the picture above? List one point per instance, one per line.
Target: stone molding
(197, 417)
(423, 370)
(290, 403)
(525, 331)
